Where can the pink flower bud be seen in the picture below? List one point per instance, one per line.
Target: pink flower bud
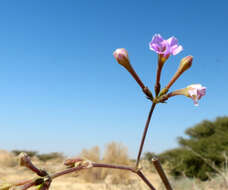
(121, 56)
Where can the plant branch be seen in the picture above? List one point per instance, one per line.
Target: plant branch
(77, 165)
(144, 134)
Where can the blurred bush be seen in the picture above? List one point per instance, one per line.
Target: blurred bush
(42, 157)
(201, 154)
(50, 156)
(7, 159)
(116, 153)
(28, 152)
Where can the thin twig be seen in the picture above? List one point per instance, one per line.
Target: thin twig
(97, 165)
(144, 134)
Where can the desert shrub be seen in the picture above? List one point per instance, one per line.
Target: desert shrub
(202, 153)
(7, 159)
(50, 156)
(94, 174)
(115, 153)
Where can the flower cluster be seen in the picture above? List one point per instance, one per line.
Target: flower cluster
(164, 48)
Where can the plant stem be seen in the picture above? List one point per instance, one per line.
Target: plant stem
(143, 177)
(67, 171)
(144, 134)
(97, 165)
(158, 76)
(161, 173)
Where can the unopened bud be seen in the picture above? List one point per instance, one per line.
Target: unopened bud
(72, 161)
(78, 162)
(185, 63)
(23, 159)
(121, 56)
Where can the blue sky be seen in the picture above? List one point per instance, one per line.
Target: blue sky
(62, 90)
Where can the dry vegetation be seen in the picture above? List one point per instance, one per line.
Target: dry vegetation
(99, 178)
(115, 154)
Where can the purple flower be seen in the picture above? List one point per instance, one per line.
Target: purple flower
(196, 91)
(165, 47)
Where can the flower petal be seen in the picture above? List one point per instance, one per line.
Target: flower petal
(172, 41)
(157, 44)
(157, 38)
(177, 50)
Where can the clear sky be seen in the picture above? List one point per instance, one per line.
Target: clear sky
(62, 90)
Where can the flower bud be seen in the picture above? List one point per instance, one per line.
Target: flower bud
(23, 159)
(121, 56)
(72, 161)
(185, 63)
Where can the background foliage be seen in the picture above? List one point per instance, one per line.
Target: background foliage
(202, 154)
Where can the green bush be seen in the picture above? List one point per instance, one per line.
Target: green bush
(201, 154)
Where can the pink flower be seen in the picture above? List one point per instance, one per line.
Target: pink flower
(196, 91)
(165, 47)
